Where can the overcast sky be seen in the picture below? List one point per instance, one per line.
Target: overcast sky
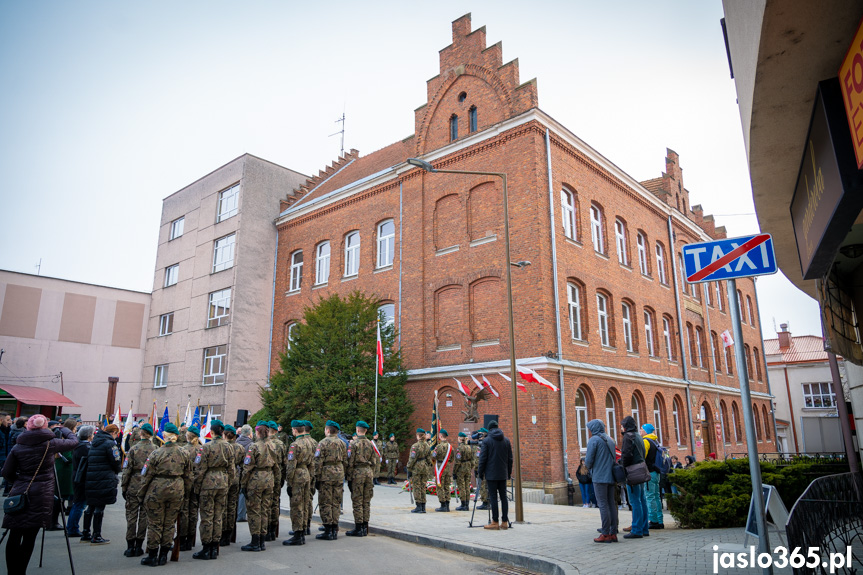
(108, 107)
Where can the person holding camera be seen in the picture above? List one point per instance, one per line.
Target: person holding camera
(495, 467)
(29, 466)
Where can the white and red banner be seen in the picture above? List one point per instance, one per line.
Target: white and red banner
(528, 374)
(375, 447)
(518, 384)
(476, 382)
(440, 466)
(205, 429)
(380, 352)
(462, 387)
(488, 384)
(727, 340)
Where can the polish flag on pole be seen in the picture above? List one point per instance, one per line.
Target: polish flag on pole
(528, 374)
(462, 387)
(493, 390)
(518, 384)
(205, 429)
(476, 382)
(727, 340)
(118, 419)
(380, 352)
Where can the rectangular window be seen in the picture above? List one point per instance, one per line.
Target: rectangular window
(574, 311)
(296, 270)
(160, 377)
(660, 263)
(627, 328)
(719, 303)
(698, 348)
(352, 254)
(223, 253)
(818, 395)
(229, 201)
(474, 119)
(215, 364)
(596, 229)
(642, 253)
(666, 335)
(751, 313)
(602, 311)
(177, 228)
(322, 263)
(172, 274)
(676, 416)
(620, 235)
(220, 308)
(648, 333)
(453, 128)
(707, 298)
(567, 208)
(386, 243)
(166, 324)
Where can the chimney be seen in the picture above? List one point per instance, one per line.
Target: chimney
(784, 336)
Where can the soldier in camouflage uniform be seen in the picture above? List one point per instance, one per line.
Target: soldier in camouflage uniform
(189, 513)
(443, 457)
(463, 470)
(391, 456)
(483, 488)
(257, 482)
(330, 458)
(301, 455)
(313, 445)
(215, 474)
(130, 484)
(166, 475)
(362, 459)
(229, 518)
(419, 465)
(379, 454)
(280, 455)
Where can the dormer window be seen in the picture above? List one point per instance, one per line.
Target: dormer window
(472, 116)
(453, 128)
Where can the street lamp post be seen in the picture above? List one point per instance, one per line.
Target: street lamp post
(519, 508)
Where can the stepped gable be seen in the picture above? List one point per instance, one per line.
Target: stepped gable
(471, 75)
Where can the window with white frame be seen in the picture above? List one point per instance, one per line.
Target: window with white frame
(229, 201)
(387, 314)
(818, 395)
(611, 416)
(581, 419)
(596, 233)
(723, 420)
(626, 314)
(660, 263)
(699, 343)
(749, 309)
(215, 364)
(648, 333)
(620, 238)
(740, 308)
(223, 253)
(386, 243)
(734, 419)
(219, 310)
(166, 324)
(602, 312)
(666, 335)
(567, 208)
(636, 412)
(675, 412)
(657, 418)
(290, 334)
(719, 304)
(641, 242)
(352, 254)
(714, 343)
(574, 295)
(160, 377)
(707, 298)
(684, 286)
(322, 263)
(729, 367)
(296, 270)
(177, 228)
(172, 274)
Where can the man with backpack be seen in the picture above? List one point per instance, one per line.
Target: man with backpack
(657, 463)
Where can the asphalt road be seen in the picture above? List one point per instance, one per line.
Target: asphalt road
(352, 555)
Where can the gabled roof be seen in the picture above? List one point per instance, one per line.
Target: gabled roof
(803, 348)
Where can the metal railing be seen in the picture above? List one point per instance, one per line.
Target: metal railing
(779, 458)
(829, 516)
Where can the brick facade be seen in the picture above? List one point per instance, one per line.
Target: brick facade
(447, 279)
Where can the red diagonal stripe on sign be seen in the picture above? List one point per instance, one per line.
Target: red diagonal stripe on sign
(728, 258)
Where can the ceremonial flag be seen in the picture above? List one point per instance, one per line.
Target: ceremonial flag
(166, 419)
(518, 384)
(196, 418)
(380, 352)
(127, 428)
(476, 381)
(205, 429)
(153, 417)
(488, 384)
(118, 419)
(434, 421)
(727, 340)
(187, 421)
(462, 388)
(528, 374)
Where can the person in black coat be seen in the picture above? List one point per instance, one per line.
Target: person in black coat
(30, 465)
(79, 482)
(495, 467)
(104, 462)
(631, 453)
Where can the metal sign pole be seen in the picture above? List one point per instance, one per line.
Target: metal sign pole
(748, 422)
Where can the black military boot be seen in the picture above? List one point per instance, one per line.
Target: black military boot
(163, 555)
(139, 548)
(130, 548)
(418, 508)
(375, 481)
(151, 558)
(365, 528)
(325, 536)
(214, 549)
(484, 506)
(308, 528)
(226, 539)
(183, 542)
(357, 531)
(334, 533)
(261, 543)
(298, 538)
(322, 528)
(255, 545)
(204, 553)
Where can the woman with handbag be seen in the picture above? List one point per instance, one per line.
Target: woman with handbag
(600, 460)
(28, 508)
(637, 476)
(585, 483)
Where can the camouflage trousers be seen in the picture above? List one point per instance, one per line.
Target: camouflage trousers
(163, 503)
(362, 491)
(136, 516)
(462, 480)
(443, 489)
(310, 500)
(392, 467)
(299, 502)
(377, 467)
(213, 503)
(275, 499)
(258, 502)
(330, 501)
(483, 492)
(418, 486)
(229, 517)
(189, 515)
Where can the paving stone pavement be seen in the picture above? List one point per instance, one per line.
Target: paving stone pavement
(554, 539)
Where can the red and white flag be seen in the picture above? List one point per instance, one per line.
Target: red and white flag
(727, 340)
(462, 387)
(488, 383)
(380, 352)
(518, 384)
(476, 381)
(528, 374)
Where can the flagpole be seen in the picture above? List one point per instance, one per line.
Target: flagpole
(376, 393)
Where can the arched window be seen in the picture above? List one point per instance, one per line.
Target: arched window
(729, 364)
(675, 413)
(657, 417)
(386, 243)
(750, 310)
(581, 419)
(567, 208)
(626, 315)
(296, 270)
(707, 298)
(667, 333)
(719, 301)
(636, 411)
(766, 422)
(602, 314)
(756, 357)
(690, 339)
(620, 238)
(453, 128)
(352, 254)
(322, 263)
(740, 307)
(660, 263)
(699, 345)
(641, 242)
(290, 332)
(387, 314)
(473, 117)
(714, 342)
(735, 420)
(648, 333)
(757, 418)
(573, 292)
(611, 416)
(723, 416)
(748, 360)
(597, 233)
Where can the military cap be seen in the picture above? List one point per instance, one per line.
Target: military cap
(273, 425)
(194, 429)
(363, 424)
(483, 430)
(231, 428)
(217, 422)
(297, 423)
(462, 434)
(262, 423)
(331, 423)
(443, 432)
(392, 434)
(148, 428)
(376, 432)
(420, 430)
(308, 424)
(169, 427)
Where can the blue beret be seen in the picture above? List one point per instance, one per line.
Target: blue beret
(331, 423)
(149, 429)
(308, 424)
(231, 428)
(273, 425)
(262, 424)
(392, 434)
(170, 428)
(420, 430)
(194, 429)
(217, 422)
(297, 423)
(462, 434)
(362, 424)
(483, 430)
(443, 432)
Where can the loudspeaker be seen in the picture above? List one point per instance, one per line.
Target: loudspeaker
(489, 418)
(242, 417)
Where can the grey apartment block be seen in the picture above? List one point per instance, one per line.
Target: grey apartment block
(214, 349)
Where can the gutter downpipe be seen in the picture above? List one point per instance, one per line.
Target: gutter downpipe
(272, 308)
(557, 310)
(672, 256)
(400, 265)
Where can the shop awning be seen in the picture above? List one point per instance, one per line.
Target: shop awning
(37, 396)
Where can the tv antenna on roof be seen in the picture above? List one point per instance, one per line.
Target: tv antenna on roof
(342, 132)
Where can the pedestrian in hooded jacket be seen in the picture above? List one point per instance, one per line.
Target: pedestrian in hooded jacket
(631, 453)
(495, 467)
(600, 459)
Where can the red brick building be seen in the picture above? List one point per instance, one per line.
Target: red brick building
(604, 274)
